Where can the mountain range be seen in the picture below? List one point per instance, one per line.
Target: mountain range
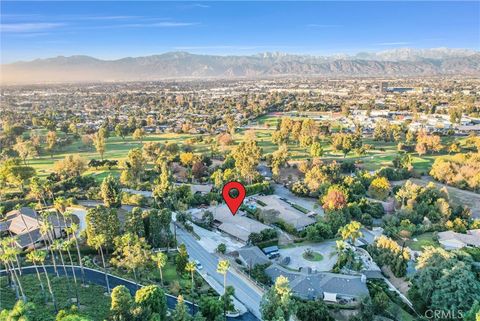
(183, 65)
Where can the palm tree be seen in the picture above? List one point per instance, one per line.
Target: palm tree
(9, 254)
(45, 229)
(66, 246)
(38, 190)
(99, 241)
(160, 259)
(222, 268)
(39, 257)
(58, 246)
(190, 267)
(73, 231)
(31, 258)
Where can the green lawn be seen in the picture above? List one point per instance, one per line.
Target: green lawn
(425, 239)
(93, 303)
(314, 256)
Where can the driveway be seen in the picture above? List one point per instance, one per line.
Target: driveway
(327, 249)
(210, 240)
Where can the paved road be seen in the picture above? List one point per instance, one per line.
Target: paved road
(244, 292)
(98, 277)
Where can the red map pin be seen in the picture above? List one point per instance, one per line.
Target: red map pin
(233, 203)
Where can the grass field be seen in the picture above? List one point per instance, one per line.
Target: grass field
(425, 239)
(93, 302)
(117, 148)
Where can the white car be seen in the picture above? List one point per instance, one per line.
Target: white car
(198, 264)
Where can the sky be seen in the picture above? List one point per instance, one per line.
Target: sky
(112, 30)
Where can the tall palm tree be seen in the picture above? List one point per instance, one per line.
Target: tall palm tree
(66, 246)
(9, 254)
(160, 259)
(31, 259)
(45, 231)
(39, 257)
(58, 246)
(222, 268)
(73, 231)
(99, 241)
(190, 267)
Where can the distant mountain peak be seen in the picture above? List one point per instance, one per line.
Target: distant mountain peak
(180, 64)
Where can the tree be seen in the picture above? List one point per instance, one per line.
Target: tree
(51, 142)
(187, 159)
(247, 156)
(121, 130)
(221, 248)
(25, 149)
(72, 165)
(279, 159)
(335, 198)
(277, 302)
(98, 242)
(111, 192)
(351, 232)
(313, 311)
(181, 313)
(8, 255)
(99, 142)
(379, 188)
(181, 259)
(211, 307)
(444, 281)
(131, 253)
(160, 260)
(21, 311)
(190, 268)
(222, 268)
(102, 221)
(133, 167)
(152, 302)
(12, 172)
(138, 134)
(345, 143)
(163, 188)
(316, 150)
(121, 304)
(73, 229)
(34, 257)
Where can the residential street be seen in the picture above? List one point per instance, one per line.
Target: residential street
(248, 294)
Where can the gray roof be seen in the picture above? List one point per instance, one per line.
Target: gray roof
(312, 286)
(23, 240)
(252, 255)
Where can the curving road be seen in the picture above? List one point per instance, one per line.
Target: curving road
(98, 277)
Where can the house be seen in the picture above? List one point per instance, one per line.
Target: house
(25, 226)
(251, 256)
(368, 236)
(239, 226)
(452, 240)
(329, 287)
(285, 211)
